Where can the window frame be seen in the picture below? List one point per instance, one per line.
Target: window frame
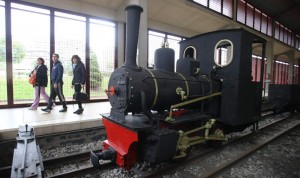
(217, 51)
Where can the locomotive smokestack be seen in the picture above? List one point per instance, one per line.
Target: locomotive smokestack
(132, 34)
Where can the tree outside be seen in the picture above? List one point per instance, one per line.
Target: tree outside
(18, 52)
(95, 74)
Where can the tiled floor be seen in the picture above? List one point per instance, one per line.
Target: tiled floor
(46, 123)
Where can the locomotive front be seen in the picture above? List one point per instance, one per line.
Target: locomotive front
(134, 89)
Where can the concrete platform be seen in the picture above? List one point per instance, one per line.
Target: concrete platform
(47, 123)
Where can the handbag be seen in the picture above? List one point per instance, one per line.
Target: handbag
(80, 96)
(32, 79)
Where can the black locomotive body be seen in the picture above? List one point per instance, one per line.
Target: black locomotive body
(158, 114)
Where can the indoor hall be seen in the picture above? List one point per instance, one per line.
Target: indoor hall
(156, 71)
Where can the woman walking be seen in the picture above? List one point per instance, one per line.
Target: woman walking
(78, 80)
(41, 83)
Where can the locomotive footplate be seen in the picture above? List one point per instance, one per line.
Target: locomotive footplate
(130, 122)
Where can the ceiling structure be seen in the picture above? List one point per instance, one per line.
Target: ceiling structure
(286, 12)
(187, 19)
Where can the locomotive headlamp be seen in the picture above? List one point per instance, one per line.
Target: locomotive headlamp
(111, 91)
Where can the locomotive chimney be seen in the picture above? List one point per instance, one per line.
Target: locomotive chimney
(132, 34)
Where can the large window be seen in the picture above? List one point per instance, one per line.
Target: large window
(223, 53)
(297, 42)
(174, 44)
(30, 40)
(280, 72)
(296, 74)
(70, 35)
(256, 68)
(155, 41)
(3, 82)
(253, 17)
(224, 7)
(258, 63)
(102, 56)
(256, 19)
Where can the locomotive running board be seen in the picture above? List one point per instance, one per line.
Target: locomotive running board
(170, 117)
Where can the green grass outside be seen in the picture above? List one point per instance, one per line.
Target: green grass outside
(23, 91)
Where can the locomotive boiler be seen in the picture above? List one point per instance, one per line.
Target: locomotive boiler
(158, 114)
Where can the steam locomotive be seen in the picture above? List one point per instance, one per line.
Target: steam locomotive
(158, 114)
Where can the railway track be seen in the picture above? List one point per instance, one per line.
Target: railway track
(201, 152)
(66, 166)
(74, 165)
(215, 161)
(53, 142)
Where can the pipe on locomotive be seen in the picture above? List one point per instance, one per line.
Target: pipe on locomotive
(132, 34)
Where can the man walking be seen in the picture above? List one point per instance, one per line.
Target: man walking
(56, 85)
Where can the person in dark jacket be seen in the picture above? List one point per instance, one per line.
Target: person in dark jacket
(56, 85)
(41, 82)
(78, 81)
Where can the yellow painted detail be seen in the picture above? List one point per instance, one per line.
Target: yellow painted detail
(169, 118)
(185, 141)
(186, 84)
(156, 87)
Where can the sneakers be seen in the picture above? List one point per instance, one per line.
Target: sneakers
(63, 110)
(30, 108)
(79, 111)
(48, 110)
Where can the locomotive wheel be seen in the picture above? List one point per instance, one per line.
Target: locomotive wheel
(215, 143)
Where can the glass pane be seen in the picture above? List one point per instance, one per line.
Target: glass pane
(174, 44)
(254, 68)
(155, 42)
(250, 16)
(270, 26)
(29, 8)
(30, 40)
(257, 20)
(70, 39)
(296, 74)
(227, 8)
(156, 34)
(3, 81)
(264, 23)
(202, 2)
(241, 11)
(281, 33)
(215, 5)
(277, 30)
(102, 56)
